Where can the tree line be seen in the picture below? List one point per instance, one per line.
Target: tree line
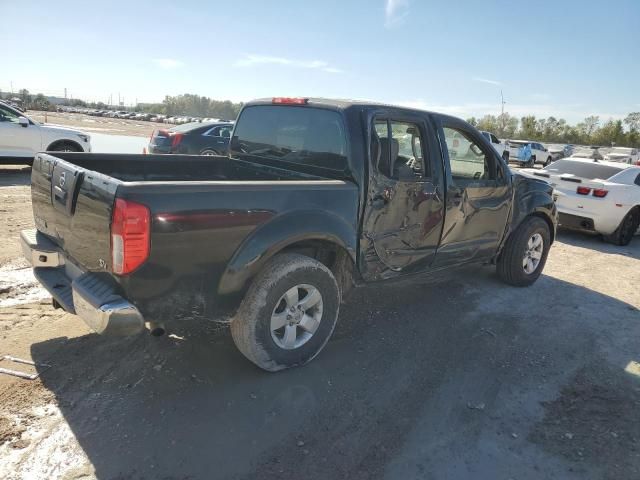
(591, 131)
(187, 104)
(193, 105)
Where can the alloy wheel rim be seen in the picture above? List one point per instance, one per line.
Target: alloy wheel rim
(533, 253)
(296, 317)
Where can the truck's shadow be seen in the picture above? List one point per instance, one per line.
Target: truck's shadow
(195, 408)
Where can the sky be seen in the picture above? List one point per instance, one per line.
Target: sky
(566, 58)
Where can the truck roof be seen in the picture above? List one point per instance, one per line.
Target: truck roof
(344, 104)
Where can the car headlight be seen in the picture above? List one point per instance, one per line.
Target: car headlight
(85, 138)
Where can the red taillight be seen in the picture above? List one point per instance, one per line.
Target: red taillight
(583, 190)
(289, 101)
(176, 138)
(130, 232)
(600, 192)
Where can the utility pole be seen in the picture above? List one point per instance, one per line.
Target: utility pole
(502, 102)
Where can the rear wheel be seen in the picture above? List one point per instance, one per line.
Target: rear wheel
(505, 157)
(626, 230)
(288, 313)
(525, 254)
(548, 162)
(208, 152)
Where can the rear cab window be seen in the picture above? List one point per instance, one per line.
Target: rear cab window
(286, 136)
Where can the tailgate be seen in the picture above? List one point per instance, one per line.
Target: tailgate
(72, 206)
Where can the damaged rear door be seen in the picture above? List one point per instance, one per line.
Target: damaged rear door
(404, 214)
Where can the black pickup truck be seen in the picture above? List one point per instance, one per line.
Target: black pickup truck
(315, 196)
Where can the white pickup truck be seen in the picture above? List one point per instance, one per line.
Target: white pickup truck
(21, 137)
(539, 153)
(501, 147)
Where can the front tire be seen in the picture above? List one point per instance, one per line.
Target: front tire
(288, 314)
(548, 162)
(525, 253)
(626, 230)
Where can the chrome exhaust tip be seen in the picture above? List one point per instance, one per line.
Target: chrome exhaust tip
(156, 329)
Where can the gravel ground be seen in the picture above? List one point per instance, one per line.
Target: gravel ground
(106, 125)
(466, 379)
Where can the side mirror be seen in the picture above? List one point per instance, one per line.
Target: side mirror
(23, 121)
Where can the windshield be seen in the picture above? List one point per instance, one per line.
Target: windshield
(302, 135)
(583, 169)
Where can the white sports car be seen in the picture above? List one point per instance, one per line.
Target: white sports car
(595, 196)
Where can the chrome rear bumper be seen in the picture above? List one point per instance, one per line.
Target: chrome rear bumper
(82, 293)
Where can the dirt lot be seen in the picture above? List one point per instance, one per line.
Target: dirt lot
(109, 126)
(467, 379)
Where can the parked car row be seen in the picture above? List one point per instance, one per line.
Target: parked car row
(527, 153)
(149, 117)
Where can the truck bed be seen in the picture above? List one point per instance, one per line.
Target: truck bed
(175, 168)
(203, 212)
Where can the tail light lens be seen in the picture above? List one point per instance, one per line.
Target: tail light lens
(130, 235)
(600, 192)
(583, 190)
(176, 138)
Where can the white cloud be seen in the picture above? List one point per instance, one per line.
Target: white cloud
(486, 80)
(252, 60)
(167, 63)
(395, 12)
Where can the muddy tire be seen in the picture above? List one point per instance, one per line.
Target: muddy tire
(288, 314)
(525, 254)
(626, 230)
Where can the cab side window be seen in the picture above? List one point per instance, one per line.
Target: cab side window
(467, 158)
(398, 151)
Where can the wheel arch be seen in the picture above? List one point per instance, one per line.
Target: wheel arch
(544, 216)
(320, 235)
(64, 141)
